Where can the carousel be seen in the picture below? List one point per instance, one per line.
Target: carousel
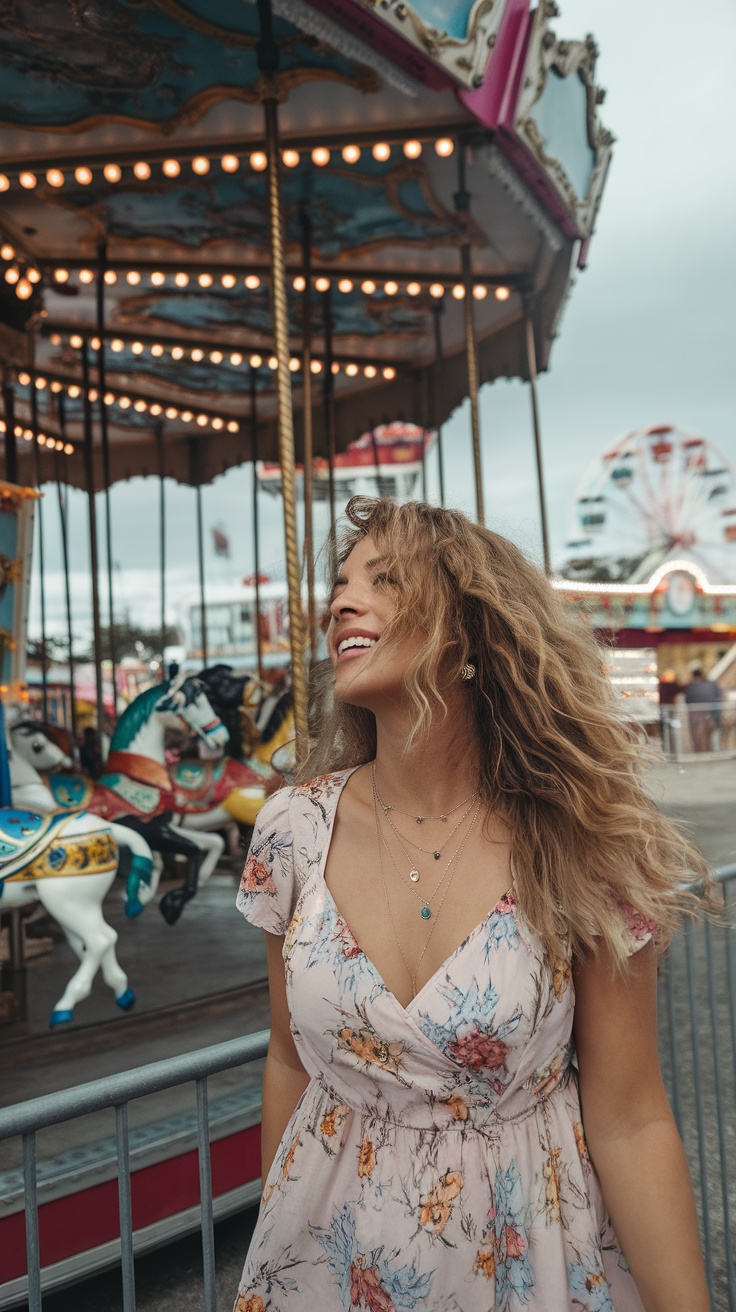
(291, 234)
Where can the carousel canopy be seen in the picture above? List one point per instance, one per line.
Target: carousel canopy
(134, 218)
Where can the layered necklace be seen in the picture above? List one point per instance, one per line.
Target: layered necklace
(426, 912)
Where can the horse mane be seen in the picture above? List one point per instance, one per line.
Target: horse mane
(135, 716)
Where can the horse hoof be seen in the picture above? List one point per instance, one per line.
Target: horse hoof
(126, 1001)
(60, 1018)
(133, 908)
(171, 905)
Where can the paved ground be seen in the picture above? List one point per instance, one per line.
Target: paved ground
(702, 794)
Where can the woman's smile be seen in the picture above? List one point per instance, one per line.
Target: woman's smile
(354, 642)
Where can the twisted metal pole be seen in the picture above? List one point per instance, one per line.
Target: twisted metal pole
(41, 552)
(268, 63)
(105, 451)
(308, 432)
(531, 359)
(256, 522)
(462, 207)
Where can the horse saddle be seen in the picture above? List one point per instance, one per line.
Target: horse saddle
(24, 835)
(71, 792)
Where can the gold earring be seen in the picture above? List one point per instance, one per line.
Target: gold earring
(468, 672)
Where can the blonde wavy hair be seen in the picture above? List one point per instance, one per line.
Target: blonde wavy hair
(558, 760)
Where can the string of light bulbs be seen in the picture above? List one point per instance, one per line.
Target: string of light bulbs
(129, 400)
(198, 354)
(171, 168)
(49, 440)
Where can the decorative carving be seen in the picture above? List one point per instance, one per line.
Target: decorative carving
(336, 36)
(550, 57)
(499, 168)
(465, 57)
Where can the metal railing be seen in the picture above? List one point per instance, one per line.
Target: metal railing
(27, 1118)
(697, 1039)
(697, 728)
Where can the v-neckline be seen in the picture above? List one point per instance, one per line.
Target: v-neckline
(444, 966)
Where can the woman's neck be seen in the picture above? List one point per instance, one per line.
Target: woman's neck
(440, 770)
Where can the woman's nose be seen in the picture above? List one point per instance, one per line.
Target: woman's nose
(348, 602)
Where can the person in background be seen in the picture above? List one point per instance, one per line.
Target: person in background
(705, 695)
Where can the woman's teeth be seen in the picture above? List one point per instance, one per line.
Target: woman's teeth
(347, 643)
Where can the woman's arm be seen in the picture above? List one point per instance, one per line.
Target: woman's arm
(631, 1135)
(284, 1078)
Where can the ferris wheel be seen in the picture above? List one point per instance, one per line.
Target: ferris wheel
(657, 493)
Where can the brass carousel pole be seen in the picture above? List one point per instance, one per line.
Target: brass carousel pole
(462, 205)
(93, 561)
(63, 521)
(196, 480)
(437, 399)
(105, 449)
(256, 526)
(308, 432)
(11, 449)
(531, 359)
(41, 552)
(159, 434)
(268, 58)
(328, 395)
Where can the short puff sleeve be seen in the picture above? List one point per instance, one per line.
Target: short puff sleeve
(639, 928)
(268, 891)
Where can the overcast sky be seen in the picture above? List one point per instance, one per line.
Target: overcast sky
(646, 338)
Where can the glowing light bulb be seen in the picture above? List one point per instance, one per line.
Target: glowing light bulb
(436, 289)
(12, 274)
(412, 149)
(252, 282)
(290, 158)
(413, 288)
(200, 165)
(33, 275)
(142, 170)
(316, 366)
(74, 391)
(117, 344)
(458, 291)
(368, 286)
(171, 412)
(24, 379)
(233, 426)
(92, 394)
(203, 420)
(197, 354)
(370, 371)
(40, 384)
(205, 280)
(216, 357)
(335, 368)
(55, 387)
(320, 156)
(345, 285)
(158, 279)
(55, 177)
(322, 284)
(480, 292)
(137, 348)
(7, 251)
(157, 349)
(124, 402)
(40, 437)
(181, 279)
(27, 179)
(55, 339)
(110, 277)
(68, 449)
(61, 275)
(177, 352)
(390, 288)
(381, 151)
(230, 163)
(298, 284)
(351, 370)
(171, 168)
(83, 175)
(140, 406)
(109, 398)
(236, 358)
(258, 161)
(156, 409)
(86, 276)
(218, 423)
(388, 372)
(187, 416)
(133, 277)
(4, 182)
(273, 362)
(294, 364)
(228, 280)
(95, 343)
(444, 146)
(351, 154)
(76, 341)
(255, 361)
(112, 172)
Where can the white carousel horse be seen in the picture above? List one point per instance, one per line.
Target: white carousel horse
(33, 753)
(68, 864)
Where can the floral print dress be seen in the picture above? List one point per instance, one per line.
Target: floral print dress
(437, 1158)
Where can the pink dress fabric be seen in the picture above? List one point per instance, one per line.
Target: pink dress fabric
(437, 1159)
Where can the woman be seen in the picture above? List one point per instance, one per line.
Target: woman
(464, 905)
